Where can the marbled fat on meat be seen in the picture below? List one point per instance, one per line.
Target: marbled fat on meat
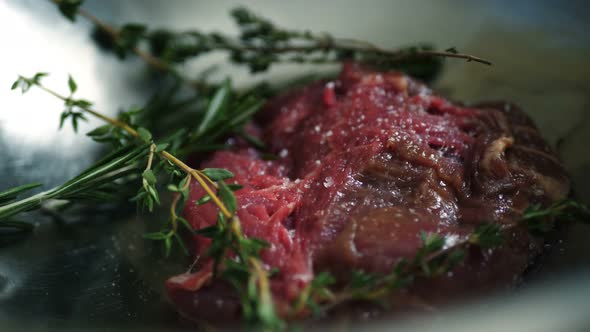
(366, 162)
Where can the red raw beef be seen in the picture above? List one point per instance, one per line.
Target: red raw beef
(365, 162)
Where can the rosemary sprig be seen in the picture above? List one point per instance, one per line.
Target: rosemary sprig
(93, 183)
(12, 193)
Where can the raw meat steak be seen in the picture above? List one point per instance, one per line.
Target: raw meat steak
(366, 162)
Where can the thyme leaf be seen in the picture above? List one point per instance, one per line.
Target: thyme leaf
(68, 8)
(487, 236)
(217, 174)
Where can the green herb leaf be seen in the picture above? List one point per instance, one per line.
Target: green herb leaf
(37, 77)
(235, 186)
(148, 174)
(154, 194)
(361, 279)
(185, 223)
(210, 231)
(100, 131)
(72, 84)
(128, 38)
(144, 134)
(323, 279)
(26, 83)
(203, 200)
(431, 242)
(456, 257)
(252, 140)
(184, 181)
(82, 103)
(167, 246)
(216, 106)
(161, 147)
(217, 174)
(244, 115)
(69, 8)
(267, 314)
(487, 236)
(62, 119)
(227, 197)
(155, 236)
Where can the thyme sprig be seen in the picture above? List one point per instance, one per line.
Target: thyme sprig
(242, 269)
(569, 210)
(433, 258)
(260, 44)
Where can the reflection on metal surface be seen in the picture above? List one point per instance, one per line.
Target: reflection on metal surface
(32, 121)
(37, 39)
(547, 307)
(8, 282)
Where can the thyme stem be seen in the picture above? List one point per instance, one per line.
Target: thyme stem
(441, 54)
(200, 180)
(394, 54)
(101, 116)
(173, 216)
(150, 157)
